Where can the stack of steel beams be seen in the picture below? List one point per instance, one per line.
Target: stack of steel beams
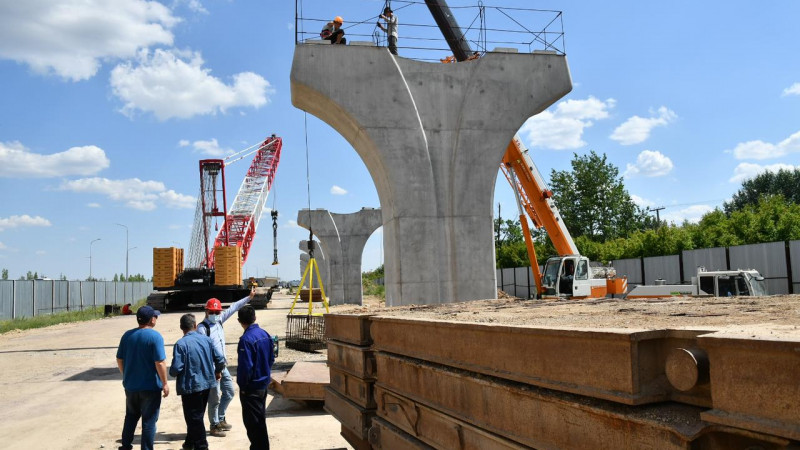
(350, 395)
(464, 385)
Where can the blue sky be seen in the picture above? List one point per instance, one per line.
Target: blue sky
(107, 105)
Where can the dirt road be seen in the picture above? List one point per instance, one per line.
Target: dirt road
(61, 389)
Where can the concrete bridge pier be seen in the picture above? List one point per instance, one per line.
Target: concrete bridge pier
(343, 237)
(432, 137)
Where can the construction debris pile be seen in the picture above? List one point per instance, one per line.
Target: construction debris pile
(401, 380)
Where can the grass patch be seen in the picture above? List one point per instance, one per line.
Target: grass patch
(28, 323)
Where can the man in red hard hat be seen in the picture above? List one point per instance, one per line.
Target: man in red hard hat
(211, 326)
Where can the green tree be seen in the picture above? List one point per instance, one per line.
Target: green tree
(116, 277)
(510, 249)
(5, 274)
(594, 202)
(783, 182)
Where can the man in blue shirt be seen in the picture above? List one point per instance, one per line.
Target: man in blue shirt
(220, 397)
(253, 377)
(198, 365)
(141, 360)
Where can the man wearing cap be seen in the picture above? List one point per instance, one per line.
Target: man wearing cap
(253, 375)
(332, 31)
(390, 28)
(141, 360)
(220, 397)
(197, 365)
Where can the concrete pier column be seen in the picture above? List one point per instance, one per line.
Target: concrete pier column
(319, 255)
(343, 237)
(432, 137)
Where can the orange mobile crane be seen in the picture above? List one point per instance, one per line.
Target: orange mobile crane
(569, 274)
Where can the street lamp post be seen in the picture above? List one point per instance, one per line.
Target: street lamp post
(132, 248)
(90, 257)
(126, 248)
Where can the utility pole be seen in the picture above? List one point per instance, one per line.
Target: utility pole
(126, 248)
(90, 257)
(658, 216)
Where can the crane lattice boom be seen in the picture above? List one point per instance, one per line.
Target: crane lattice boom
(242, 220)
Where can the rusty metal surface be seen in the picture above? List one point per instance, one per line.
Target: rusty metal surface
(306, 381)
(349, 328)
(357, 390)
(351, 416)
(359, 361)
(619, 365)
(755, 384)
(384, 436)
(537, 417)
(356, 441)
(435, 428)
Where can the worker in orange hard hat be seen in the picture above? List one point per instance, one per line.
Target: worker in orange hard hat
(220, 397)
(332, 31)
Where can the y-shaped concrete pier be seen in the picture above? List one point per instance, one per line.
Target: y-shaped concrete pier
(432, 137)
(343, 237)
(322, 263)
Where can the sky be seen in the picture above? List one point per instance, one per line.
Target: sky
(106, 106)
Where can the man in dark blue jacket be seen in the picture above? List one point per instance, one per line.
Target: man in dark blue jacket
(198, 365)
(253, 377)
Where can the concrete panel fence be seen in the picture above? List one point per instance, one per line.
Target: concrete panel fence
(28, 298)
(778, 263)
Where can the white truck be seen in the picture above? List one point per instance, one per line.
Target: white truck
(716, 283)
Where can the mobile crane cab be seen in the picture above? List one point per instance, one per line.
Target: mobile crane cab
(573, 276)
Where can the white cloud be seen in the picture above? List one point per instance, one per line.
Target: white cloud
(765, 150)
(210, 148)
(637, 129)
(3, 246)
(650, 164)
(175, 200)
(792, 90)
(93, 205)
(133, 192)
(174, 84)
(692, 214)
(183, 143)
(41, 252)
(745, 171)
(23, 221)
(336, 190)
(71, 38)
(19, 162)
(562, 128)
(193, 5)
(641, 201)
(293, 224)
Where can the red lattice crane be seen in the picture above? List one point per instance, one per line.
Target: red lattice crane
(241, 221)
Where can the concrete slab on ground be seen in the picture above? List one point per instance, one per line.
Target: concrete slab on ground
(306, 381)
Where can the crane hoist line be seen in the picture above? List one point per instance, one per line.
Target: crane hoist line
(213, 263)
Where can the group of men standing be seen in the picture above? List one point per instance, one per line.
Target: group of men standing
(200, 366)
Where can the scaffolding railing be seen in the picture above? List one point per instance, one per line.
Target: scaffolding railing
(486, 28)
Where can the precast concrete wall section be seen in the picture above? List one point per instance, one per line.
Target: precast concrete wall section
(343, 237)
(662, 267)
(794, 256)
(28, 298)
(769, 259)
(710, 258)
(432, 137)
